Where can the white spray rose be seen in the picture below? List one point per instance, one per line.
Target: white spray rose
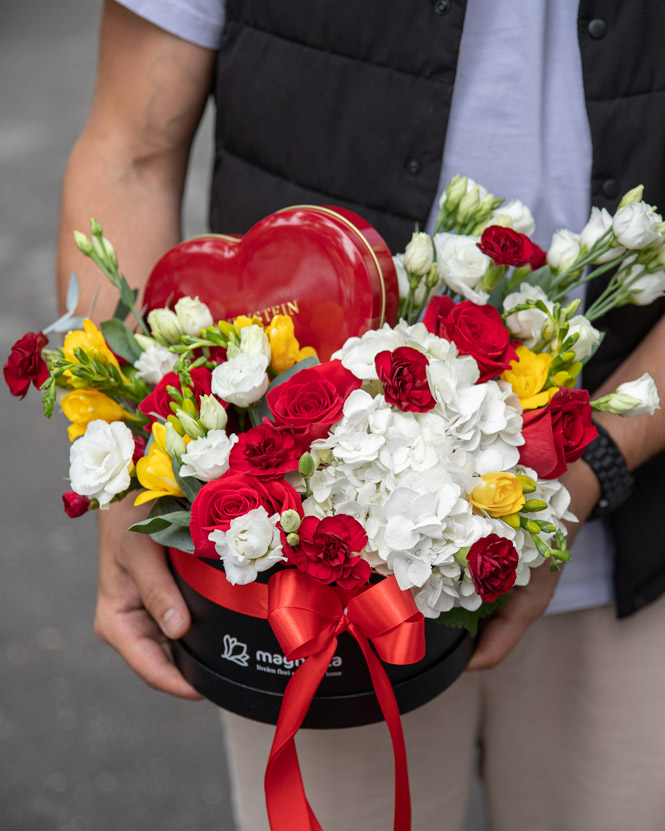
(242, 380)
(521, 218)
(193, 315)
(647, 288)
(635, 226)
(598, 224)
(634, 398)
(99, 461)
(589, 337)
(207, 458)
(419, 254)
(165, 323)
(155, 363)
(251, 544)
(462, 265)
(564, 250)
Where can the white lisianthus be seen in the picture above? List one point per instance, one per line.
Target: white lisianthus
(165, 323)
(633, 398)
(520, 217)
(462, 265)
(635, 226)
(588, 340)
(457, 189)
(254, 342)
(647, 288)
(598, 224)
(419, 254)
(251, 544)
(99, 461)
(212, 415)
(207, 458)
(155, 363)
(526, 325)
(564, 250)
(192, 315)
(241, 380)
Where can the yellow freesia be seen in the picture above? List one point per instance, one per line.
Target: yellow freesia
(155, 471)
(242, 320)
(284, 346)
(499, 495)
(91, 341)
(84, 405)
(528, 375)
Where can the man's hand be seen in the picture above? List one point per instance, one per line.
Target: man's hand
(138, 603)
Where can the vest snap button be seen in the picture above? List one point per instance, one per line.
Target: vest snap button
(597, 28)
(610, 188)
(442, 6)
(414, 167)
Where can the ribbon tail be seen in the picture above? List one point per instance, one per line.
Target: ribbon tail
(386, 698)
(288, 808)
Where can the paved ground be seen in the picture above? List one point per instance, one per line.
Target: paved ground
(85, 745)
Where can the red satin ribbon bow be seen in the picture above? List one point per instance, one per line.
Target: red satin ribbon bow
(307, 618)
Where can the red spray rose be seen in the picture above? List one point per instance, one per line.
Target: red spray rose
(492, 563)
(25, 364)
(312, 400)
(557, 434)
(475, 330)
(403, 372)
(231, 496)
(75, 504)
(159, 400)
(507, 247)
(326, 548)
(265, 451)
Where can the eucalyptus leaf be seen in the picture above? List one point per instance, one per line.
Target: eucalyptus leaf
(175, 537)
(187, 484)
(306, 363)
(121, 340)
(72, 299)
(123, 309)
(152, 525)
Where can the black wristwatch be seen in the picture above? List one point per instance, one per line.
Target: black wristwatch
(609, 465)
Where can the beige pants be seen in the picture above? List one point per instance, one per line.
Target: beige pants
(571, 729)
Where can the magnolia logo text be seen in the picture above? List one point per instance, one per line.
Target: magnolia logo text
(235, 651)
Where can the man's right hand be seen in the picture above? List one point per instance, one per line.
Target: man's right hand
(139, 605)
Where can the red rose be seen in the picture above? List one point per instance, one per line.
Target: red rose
(159, 401)
(475, 330)
(403, 373)
(265, 451)
(325, 550)
(234, 495)
(139, 448)
(492, 563)
(557, 434)
(312, 400)
(507, 247)
(25, 364)
(75, 504)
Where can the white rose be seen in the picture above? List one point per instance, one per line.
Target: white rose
(462, 265)
(208, 458)
(526, 325)
(589, 337)
(241, 380)
(155, 363)
(599, 223)
(635, 225)
(419, 254)
(251, 544)
(193, 315)
(521, 218)
(646, 288)
(165, 323)
(99, 461)
(564, 249)
(634, 398)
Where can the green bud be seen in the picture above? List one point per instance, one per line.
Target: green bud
(190, 407)
(419, 254)
(175, 446)
(95, 227)
(83, 243)
(569, 356)
(512, 519)
(190, 425)
(213, 415)
(528, 485)
(290, 521)
(432, 277)
(571, 309)
(165, 323)
(306, 465)
(293, 540)
(534, 505)
(177, 426)
(563, 555)
(468, 206)
(144, 341)
(454, 192)
(633, 195)
(543, 548)
(461, 555)
(529, 525)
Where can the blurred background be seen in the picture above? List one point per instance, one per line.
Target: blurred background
(86, 746)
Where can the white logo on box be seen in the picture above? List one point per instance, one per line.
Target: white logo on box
(235, 651)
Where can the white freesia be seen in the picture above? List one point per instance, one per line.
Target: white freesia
(251, 544)
(520, 217)
(635, 226)
(599, 223)
(155, 363)
(526, 325)
(564, 249)
(165, 323)
(241, 380)
(207, 458)
(588, 337)
(419, 254)
(462, 265)
(192, 315)
(647, 288)
(99, 461)
(633, 398)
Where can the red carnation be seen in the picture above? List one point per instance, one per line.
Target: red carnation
(326, 549)
(265, 451)
(75, 504)
(25, 364)
(557, 434)
(478, 331)
(507, 247)
(492, 563)
(403, 373)
(159, 401)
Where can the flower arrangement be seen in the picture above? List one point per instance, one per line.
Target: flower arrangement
(430, 450)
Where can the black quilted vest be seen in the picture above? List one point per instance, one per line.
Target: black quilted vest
(345, 102)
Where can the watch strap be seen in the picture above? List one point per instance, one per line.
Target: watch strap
(608, 464)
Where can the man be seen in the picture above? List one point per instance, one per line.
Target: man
(351, 106)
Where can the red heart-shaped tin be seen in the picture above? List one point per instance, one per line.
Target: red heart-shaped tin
(326, 267)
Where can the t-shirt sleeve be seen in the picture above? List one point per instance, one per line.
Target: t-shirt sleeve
(199, 21)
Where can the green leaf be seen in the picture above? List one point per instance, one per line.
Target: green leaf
(460, 618)
(178, 519)
(121, 340)
(175, 537)
(306, 363)
(123, 309)
(187, 484)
